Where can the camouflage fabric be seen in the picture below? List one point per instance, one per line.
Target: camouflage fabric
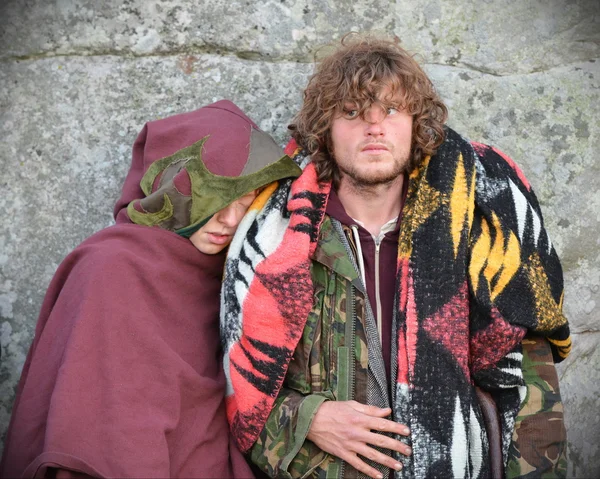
(330, 363)
(330, 353)
(539, 439)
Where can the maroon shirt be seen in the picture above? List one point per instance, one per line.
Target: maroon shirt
(388, 254)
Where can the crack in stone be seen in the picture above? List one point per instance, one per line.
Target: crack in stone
(253, 56)
(488, 71)
(478, 68)
(581, 23)
(249, 55)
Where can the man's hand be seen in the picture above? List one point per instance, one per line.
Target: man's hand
(343, 428)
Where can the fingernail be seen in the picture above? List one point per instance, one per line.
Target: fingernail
(408, 451)
(406, 430)
(398, 466)
(379, 476)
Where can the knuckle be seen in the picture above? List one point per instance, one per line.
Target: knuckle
(354, 419)
(372, 410)
(371, 454)
(381, 441)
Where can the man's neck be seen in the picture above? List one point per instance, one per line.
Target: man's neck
(373, 206)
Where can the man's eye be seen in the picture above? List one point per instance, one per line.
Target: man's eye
(350, 113)
(392, 111)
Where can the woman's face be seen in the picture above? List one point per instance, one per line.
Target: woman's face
(218, 232)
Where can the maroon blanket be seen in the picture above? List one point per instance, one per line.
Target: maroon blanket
(124, 377)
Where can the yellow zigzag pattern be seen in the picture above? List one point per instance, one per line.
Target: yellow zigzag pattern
(501, 257)
(462, 203)
(422, 201)
(549, 313)
(564, 346)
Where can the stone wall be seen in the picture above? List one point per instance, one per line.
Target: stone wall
(79, 78)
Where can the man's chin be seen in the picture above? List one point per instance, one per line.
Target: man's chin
(370, 179)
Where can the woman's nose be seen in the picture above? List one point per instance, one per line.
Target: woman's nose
(229, 216)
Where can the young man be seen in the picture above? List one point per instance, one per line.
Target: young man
(413, 267)
(124, 377)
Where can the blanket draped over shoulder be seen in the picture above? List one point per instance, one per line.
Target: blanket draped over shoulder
(475, 270)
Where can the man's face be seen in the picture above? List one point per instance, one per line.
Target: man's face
(375, 149)
(218, 232)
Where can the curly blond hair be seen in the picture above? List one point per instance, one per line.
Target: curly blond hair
(357, 72)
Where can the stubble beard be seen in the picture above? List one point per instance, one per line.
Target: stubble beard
(360, 180)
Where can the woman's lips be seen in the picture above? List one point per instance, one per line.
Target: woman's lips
(217, 238)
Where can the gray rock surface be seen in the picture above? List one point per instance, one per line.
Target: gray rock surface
(79, 78)
(579, 377)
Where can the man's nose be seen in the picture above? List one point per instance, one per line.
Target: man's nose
(374, 117)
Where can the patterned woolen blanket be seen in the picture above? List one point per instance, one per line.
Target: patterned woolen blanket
(475, 270)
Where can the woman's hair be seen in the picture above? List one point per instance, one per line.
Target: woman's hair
(357, 72)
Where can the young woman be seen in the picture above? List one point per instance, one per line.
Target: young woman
(124, 376)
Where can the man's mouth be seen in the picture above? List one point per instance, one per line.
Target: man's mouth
(375, 147)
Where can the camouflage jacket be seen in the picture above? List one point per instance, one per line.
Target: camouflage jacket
(331, 363)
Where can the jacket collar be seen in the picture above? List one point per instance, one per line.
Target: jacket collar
(331, 252)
